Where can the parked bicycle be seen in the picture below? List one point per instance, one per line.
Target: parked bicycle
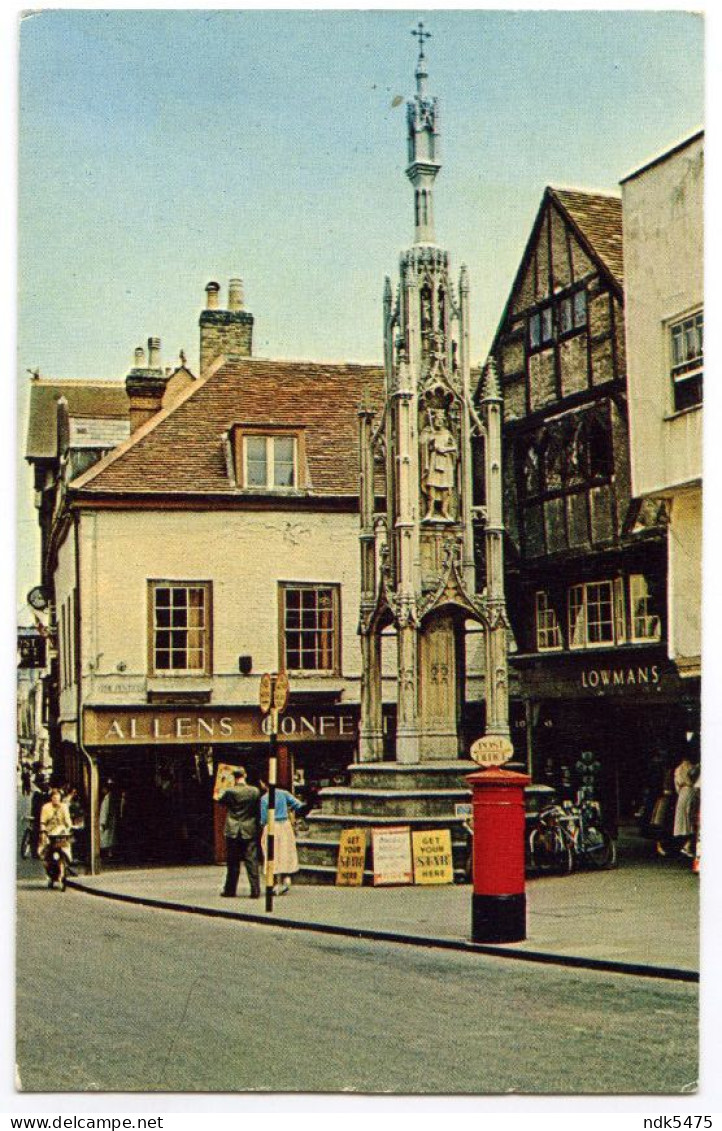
(569, 835)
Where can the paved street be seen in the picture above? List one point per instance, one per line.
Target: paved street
(644, 912)
(113, 997)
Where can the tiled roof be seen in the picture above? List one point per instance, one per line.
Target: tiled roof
(97, 399)
(181, 451)
(599, 218)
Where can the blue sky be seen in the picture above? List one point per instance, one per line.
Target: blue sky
(160, 149)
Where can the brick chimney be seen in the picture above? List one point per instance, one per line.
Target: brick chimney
(145, 384)
(225, 332)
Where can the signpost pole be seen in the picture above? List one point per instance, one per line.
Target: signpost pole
(271, 820)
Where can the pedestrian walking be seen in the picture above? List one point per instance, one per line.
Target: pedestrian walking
(696, 817)
(40, 795)
(109, 819)
(662, 818)
(684, 778)
(285, 862)
(241, 833)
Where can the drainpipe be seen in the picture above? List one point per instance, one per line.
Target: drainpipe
(93, 777)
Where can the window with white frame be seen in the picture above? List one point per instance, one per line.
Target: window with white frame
(311, 628)
(620, 612)
(646, 623)
(269, 461)
(687, 360)
(548, 634)
(594, 615)
(180, 627)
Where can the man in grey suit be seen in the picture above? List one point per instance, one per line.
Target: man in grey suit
(241, 833)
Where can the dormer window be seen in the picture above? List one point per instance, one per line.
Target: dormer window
(268, 459)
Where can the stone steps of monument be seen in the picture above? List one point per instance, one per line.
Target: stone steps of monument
(392, 775)
(344, 800)
(323, 825)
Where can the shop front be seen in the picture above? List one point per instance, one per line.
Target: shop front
(628, 712)
(157, 767)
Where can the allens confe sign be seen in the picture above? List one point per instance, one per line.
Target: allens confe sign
(162, 726)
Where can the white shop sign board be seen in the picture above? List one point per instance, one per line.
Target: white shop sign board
(392, 861)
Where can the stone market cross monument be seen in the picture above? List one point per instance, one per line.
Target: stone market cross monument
(418, 572)
(418, 569)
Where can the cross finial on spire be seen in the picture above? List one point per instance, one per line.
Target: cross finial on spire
(421, 35)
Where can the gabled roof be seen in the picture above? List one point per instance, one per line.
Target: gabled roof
(94, 400)
(598, 218)
(181, 450)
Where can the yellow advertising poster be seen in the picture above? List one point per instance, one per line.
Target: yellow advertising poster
(432, 857)
(224, 780)
(392, 855)
(351, 858)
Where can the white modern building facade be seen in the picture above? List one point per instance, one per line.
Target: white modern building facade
(663, 225)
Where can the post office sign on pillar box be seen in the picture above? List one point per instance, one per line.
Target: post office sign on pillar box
(491, 750)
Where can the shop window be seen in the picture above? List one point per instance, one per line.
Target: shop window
(311, 640)
(620, 612)
(180, 628)
(645, 620)
(595, 615)
(687, 355)
(548, 635)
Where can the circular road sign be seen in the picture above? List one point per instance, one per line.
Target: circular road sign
(492, 750)
(265, 693)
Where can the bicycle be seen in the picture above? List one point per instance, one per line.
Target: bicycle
(568, 834)
(550, 843)
(26, 840)
(591, 843)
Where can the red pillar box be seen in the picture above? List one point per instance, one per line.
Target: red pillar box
(498, 909)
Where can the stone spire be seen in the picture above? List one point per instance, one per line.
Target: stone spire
(491, 389)
(423, 143)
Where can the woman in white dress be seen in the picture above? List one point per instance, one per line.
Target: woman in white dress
(684, 779)
(285, 857)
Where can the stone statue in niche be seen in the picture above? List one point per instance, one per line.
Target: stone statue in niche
(438, 466)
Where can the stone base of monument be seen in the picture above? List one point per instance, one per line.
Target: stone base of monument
(381, 794)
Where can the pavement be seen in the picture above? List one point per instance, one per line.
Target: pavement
(641, 917)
